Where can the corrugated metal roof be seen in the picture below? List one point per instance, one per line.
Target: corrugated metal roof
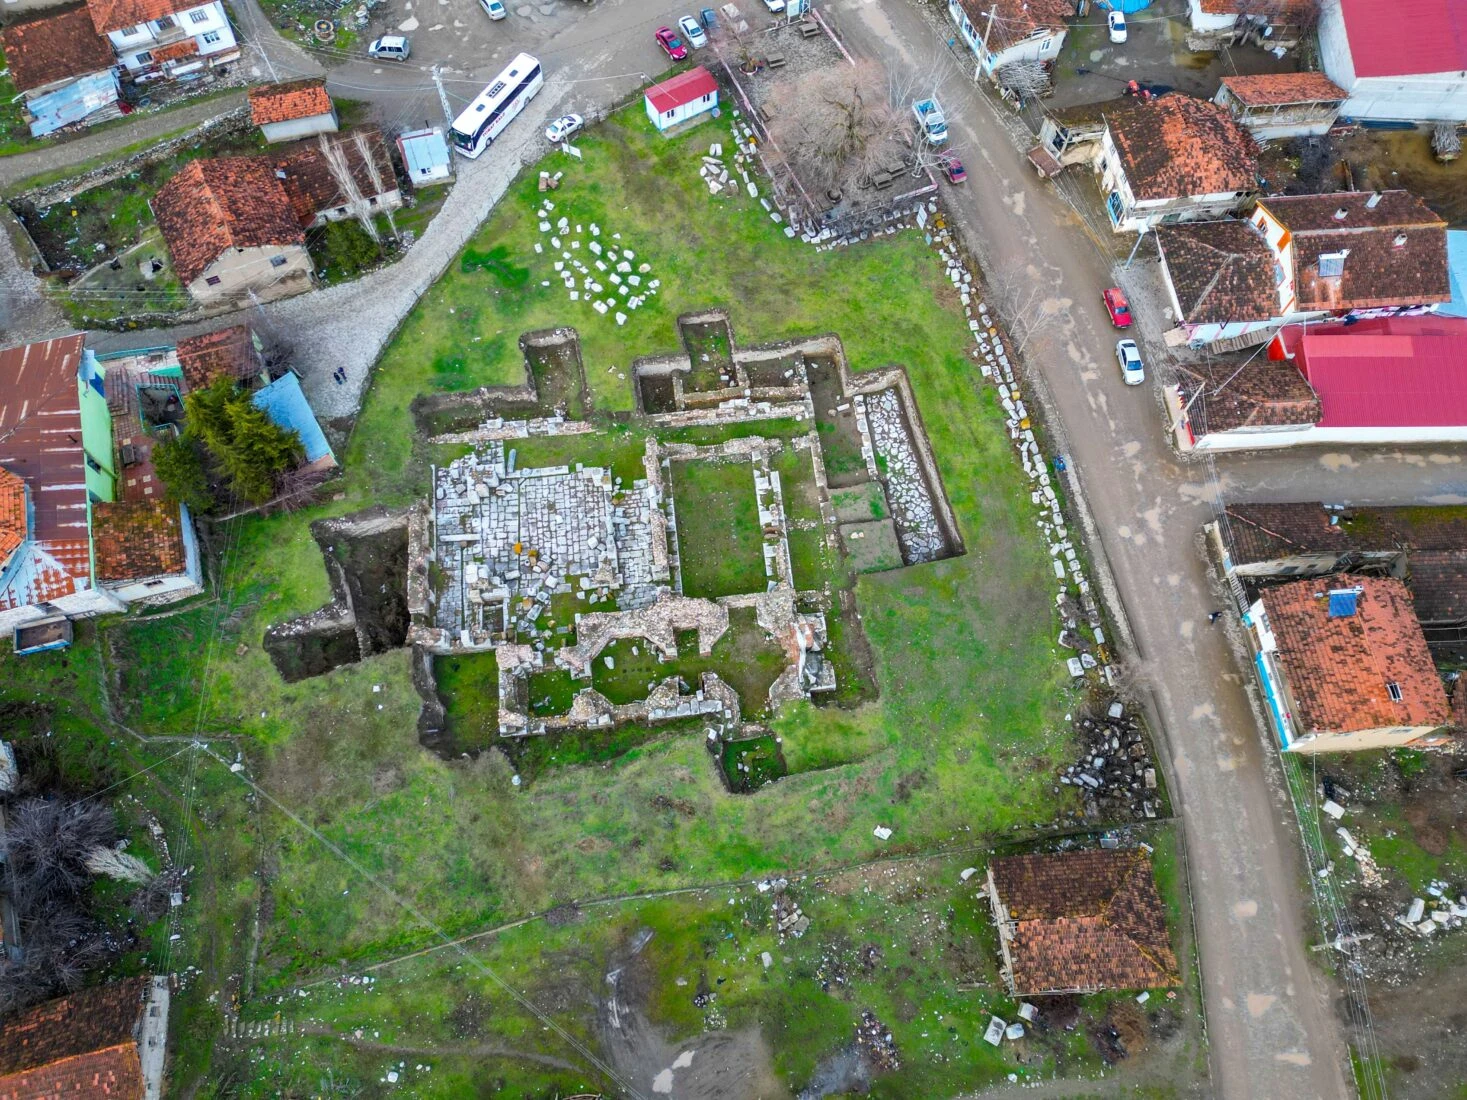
(72, 103)
(682, 89)
(1415, 36)
(286, 405)
(1405, 372)
(423, 151)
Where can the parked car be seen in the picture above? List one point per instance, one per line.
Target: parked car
(931, 122)
(495, 9)
(671, 44)
(953, 169)
(776, 6)
(563, 127)
(1116, 21)
(391, 47)
(710, 21)
(1129, 357)
(692, 32)
(1118, 308)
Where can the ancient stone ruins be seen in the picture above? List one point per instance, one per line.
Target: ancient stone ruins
(547, 566)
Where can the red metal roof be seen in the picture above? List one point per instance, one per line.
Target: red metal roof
(1414, 36)
(681, 90)
(1396, 372)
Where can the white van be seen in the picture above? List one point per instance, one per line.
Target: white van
(495, 8)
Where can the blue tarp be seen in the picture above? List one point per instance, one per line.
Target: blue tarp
(1457, 268)
(1125, 6)
(73, 102)
(286, 405)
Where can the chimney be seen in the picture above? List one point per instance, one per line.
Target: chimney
(1400, 241)
(1374, 200)
(1340, 214)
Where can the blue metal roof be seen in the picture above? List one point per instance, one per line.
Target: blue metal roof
(72, 103)
(423, 151)
(1457, 268)
(286, 405)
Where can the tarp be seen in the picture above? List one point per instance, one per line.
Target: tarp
(1457, 268)
(286, 405)
(72, 103)
(1125, 6)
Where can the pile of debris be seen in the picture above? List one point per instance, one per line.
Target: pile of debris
(1437, 915)
(789, 922)
(1369, 872)
(1115, 776)
(715, 172)
(876, 1043)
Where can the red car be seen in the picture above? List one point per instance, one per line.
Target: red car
(953, 169)
(671, 44)
(1117, 307)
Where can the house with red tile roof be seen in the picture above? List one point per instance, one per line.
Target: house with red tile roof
(234, 352)
(63, 68)
(153, 39)
(1379, 382)
(1080, 922)
(231, 231)
(1281, 105)
(332, 177)
(1005, 31)
(108, 1041)
(1216, 24)
(293, 109)
(1344, 666)
(1172, 159)
(1404, 64)
(146, 550)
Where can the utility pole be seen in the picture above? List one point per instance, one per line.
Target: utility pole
(442, 97)
(988, 28)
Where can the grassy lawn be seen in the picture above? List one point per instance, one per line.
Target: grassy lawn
(468, 684)
(961, 743)
(720, 543)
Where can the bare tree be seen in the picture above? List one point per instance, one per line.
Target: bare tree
(834, 123)
(116, 864)
(1445, 143)
(1026, 79)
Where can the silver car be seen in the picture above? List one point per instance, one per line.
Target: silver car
(390, 47)
(1128, 355)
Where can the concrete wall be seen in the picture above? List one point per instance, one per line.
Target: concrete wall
(80, 605)
(241, 270)
(300, 127)
(1207, 23)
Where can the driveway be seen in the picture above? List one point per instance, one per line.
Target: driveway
(1270, 1025)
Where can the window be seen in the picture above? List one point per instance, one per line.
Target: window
(144, 58)
(199, 15)
(154, 584)
(1393, 689)
(372, 202)
(92, 465)
(277, 261)
(163, 22)
(1331, 264)
(128, 32)
(667, 114)
(212, 280)
(211, 38)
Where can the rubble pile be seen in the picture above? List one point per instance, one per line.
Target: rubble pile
(1439, 914)
(876, 1043)
(1116, 776)
(582, 273)
(1369, 873)
(789, 921)
(906, 485)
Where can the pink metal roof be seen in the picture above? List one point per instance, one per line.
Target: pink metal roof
(681, 89)
(1399, 372)
(1407, 37)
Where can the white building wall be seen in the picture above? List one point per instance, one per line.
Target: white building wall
(1207, 23)
(1043, 45)
(1409, 97)
(665, 120)
(1254, 439)
(207, 24)
(300, 127)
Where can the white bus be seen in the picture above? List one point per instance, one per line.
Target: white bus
(485, 118)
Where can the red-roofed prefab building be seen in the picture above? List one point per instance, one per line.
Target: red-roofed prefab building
(682, 98)
(1404, 64)
(294, 109)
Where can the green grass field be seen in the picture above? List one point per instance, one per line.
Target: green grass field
(720, 543)
(960, 745)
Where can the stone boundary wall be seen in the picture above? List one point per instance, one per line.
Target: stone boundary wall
(659, 625)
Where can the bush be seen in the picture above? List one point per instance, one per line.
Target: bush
(251, 450)
(343, 250)
(179, 463)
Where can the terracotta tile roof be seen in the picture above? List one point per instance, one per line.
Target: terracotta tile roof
(1085, 921)
(40, 442)
(137, 540)
(312, 185)
(81, 1045)
(225, 352)
(1221, 271)
(1277, 11)
(1397, 249)
(14, 527)
(1262, 532)
(114, 15)
(1178, 146)
(1264, 391)
(1016, 20)
(220, 203)
(54, 46)
(1283, 89)
(1438, 580)
(1338, 668)
(292, 100)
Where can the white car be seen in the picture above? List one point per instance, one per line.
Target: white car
(1116, 21)
(1129, 357)
(563, 127)
(692, 32)
(775, 6)
(390, 47)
